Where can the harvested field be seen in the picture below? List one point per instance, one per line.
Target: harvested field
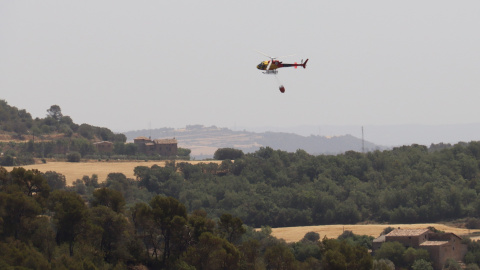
(76, 170)
(295, 234)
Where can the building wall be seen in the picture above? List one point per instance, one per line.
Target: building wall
(409, 241)
(104, 147)
(151, 147)
(167, 149)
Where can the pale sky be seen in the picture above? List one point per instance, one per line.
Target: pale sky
(130, 65)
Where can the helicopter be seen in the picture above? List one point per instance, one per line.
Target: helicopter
(271, 66)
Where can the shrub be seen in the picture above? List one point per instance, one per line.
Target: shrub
(73, 157)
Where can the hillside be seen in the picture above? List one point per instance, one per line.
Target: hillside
(18, 124)
(23, 138)
(204, 141)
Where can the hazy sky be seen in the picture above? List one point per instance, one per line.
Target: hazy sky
(129, 65)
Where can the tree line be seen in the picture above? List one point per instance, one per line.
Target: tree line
(46, 225)
(57, 136)
(21, 123)
(408, 184)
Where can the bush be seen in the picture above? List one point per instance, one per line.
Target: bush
(7, 161)
(227, 153)
(73, 157)
(472, 223)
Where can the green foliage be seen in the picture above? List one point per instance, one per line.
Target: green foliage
(230, 227)
(19, 122)
(110, 198)
(383, 264)
(212, 252)
(311, 236)
(227, 153)
(392, 251)
(14, 120)
(411, 256)
(183, 152)
(279, 256)
(55, 180)
(306, 249)
(70, 216)
(339, 254)
(422, 265)
(19, 255)
(472, 267)
(451, 264)
(354, 239)
(407, 184)
(74, 157)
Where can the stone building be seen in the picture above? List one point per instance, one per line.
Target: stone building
(104, 147)
(441, 246)
(162, 147)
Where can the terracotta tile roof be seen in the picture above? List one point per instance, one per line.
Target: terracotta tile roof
(142, 138)
(379, 239)
(165, 141)
(442, 236)
(434, 243)
(103, 142)
(407, 232)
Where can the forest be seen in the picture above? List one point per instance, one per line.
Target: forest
(167, 216)
(46, 225)
(408, 184)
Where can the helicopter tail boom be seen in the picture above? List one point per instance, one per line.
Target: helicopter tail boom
(304, 65)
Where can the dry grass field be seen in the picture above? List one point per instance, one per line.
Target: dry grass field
(295, 234)
(76, 170)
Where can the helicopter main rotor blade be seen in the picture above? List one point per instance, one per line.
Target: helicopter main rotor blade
(286, 55)
(265, 54)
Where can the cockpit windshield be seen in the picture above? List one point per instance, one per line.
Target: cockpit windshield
(261, 66)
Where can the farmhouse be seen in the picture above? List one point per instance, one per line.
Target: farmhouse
(104, 147)
(441, 246)
(163, 147)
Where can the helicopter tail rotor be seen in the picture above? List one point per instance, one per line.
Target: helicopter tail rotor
(304, 65)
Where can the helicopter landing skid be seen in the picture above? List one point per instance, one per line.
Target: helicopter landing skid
(270, 72)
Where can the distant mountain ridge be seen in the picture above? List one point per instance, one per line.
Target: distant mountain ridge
(204, 141)
(390, 135)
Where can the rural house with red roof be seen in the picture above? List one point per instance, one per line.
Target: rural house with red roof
(441, 246)
(163, 147)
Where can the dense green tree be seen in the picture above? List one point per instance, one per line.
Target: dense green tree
(422, 264)
(69, 218)
(55, 180)
(227, 153)
(31, 182)
(110, 198)
(198, 223)
(170, 216)
(19, 255)
(279, 257)
(74, 157)
(392, 251)
(113, 231)
(230, 227)
(183, 152)
(55, 112)
(17, 212)
(383, 264)
(411, 255)
(212, 252)
(339, 254)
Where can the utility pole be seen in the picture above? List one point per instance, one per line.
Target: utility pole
(363, 142)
